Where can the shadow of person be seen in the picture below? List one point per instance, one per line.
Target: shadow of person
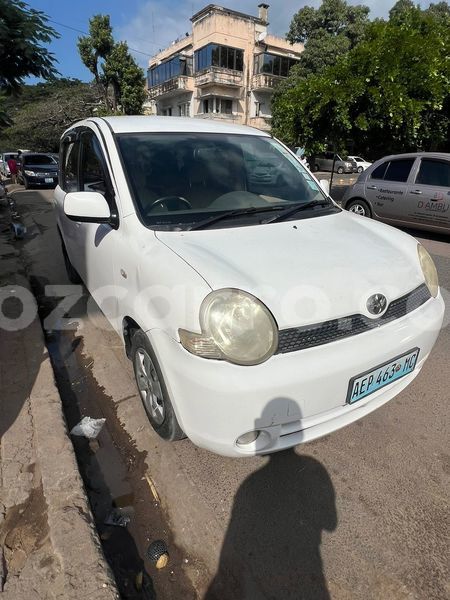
(272, 545)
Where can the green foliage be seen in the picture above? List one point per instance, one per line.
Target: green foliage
(43, 111)
(390, 93)
(23, 30)
(327, 32)
(115, 71)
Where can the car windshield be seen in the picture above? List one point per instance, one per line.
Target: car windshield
(39, 159)
(179, 180)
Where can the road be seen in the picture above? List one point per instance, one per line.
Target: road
(360, 514)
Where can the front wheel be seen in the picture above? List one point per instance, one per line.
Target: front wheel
(360, 169)
(153, 390)
(359, 207)
(340, 170)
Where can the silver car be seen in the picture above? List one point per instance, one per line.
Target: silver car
(405, 189)
(324, 162)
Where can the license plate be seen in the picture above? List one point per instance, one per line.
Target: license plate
(49, 180)
(369, 382)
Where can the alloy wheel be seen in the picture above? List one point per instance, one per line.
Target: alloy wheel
(149, 386)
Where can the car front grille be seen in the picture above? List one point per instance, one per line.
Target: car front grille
(308, 336)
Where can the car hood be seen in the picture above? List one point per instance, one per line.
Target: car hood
(305, 271)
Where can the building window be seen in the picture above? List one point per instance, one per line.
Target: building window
(184, 109)
(175, 67)
(273, 64)
(217, 105)
(167, 112)
(214, 55)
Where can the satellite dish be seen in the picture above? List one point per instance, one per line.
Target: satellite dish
(262, 36)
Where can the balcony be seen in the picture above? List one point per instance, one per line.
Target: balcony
(219, 76)
(183, 83)
(261, 123)
(265, 81)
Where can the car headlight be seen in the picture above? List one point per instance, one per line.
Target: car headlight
(236, 327)
(30, 173)
(429, 270)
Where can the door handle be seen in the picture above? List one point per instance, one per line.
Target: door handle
(417, 192)
(371, 187)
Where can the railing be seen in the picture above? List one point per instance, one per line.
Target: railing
(180, 83)
(219, 75)
(264, 81)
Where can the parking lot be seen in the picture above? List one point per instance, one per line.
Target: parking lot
(361, 514)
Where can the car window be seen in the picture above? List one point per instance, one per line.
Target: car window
(357, 158)
(179, 179)
(398, 170)
(93, 176)
(434, 172)
(330, 156)
(70, 167)
(39, 159)
(379, 172)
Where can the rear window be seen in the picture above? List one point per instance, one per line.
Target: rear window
(39, 159)
(434, 172)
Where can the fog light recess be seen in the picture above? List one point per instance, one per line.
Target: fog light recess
(248, 438)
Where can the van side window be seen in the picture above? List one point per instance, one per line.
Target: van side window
(434, 172)
(93, 176)
(69, 167)
(379, 172)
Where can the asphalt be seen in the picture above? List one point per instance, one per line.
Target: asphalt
(360, 514)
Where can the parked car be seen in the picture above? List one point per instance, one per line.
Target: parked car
(243, 304)
(361, 164)
(324, 162)
(4, 168)
(38, 169)
(405, 189)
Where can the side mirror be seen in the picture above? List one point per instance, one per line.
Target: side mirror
(325, 185)
(88, 207)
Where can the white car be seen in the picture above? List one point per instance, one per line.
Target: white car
(257, 314)
(361, 164)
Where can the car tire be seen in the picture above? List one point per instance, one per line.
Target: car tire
(359, 207)
(72, 273)
(26, 184)
(153, 390)
(340, 170)
(360, 169)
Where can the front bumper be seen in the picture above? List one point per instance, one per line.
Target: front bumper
(293, 398)
(38, 180)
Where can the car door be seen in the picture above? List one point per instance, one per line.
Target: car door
(68, 182)
(429, 194)
(386, 188)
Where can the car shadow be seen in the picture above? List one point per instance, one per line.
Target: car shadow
(272, 545)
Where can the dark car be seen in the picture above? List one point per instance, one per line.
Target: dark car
(38, 169)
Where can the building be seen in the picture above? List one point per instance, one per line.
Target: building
(226, 68)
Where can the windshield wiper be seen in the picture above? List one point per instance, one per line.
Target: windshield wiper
(234, 213)
(291, 211)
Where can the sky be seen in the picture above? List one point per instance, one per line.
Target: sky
(150, 25)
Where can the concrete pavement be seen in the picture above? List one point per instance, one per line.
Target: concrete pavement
(361, 514)
(49, 547)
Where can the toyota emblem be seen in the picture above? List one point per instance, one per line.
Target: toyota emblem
(377, 304)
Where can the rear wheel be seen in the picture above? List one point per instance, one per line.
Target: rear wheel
(359, 207)
(153, 390)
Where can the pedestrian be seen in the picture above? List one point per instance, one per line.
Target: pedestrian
(13, 169)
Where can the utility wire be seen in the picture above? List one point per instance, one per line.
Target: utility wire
(85, 33)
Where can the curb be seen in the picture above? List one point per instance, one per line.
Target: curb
(72, 530)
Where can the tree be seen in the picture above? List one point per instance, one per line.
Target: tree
(23, 30)
(390, 93)
(115, 71)
(43, 111)
(327, 32)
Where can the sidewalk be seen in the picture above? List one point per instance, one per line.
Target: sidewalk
(49, 547)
